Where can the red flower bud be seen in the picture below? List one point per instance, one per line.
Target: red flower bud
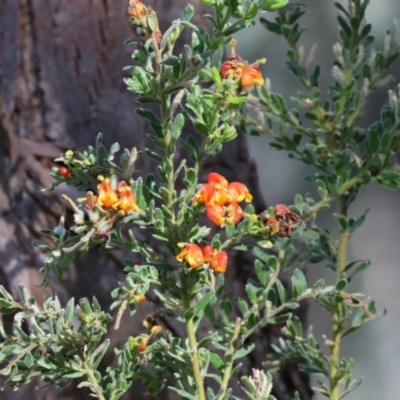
(219, 262)
(64, 172)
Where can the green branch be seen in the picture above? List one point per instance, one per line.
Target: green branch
(336, 322)
(192, 339)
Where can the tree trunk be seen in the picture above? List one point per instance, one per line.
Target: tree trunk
(61, 83)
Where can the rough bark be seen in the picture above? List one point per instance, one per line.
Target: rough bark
(62, 83)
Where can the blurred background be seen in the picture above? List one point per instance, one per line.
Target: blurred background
(376, 346)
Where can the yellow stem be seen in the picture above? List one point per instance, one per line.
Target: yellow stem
(93, 381)
(336, 323)
(192, 340)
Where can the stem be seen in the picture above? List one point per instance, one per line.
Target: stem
(192, 340)
(336, 323)
(93, 381)
(345, 187)
(232, 348)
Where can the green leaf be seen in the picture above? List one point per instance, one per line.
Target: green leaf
(217, 361)
(189, 314)
(246, 349)
(67, 259)
(243, 307)
(271, 26)
(69, 310)
(203, 302)
(148, 115)
(236, 100)
(190, 176)
(299, 283)
(355, 224)
(171, 61)
(177, 126)
(261, 254)
(134, 40)
(261, 272)
(341, 283)
(99, 353)
(154, 156)
(281, 291)
(188, 13)
(363, 266)
(201, 128)
(342, 220)
(252, 291)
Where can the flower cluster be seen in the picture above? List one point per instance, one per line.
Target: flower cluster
(139, 343)
(235, 68)
(114, 199)
(222, 199)
(113, 195)
(145, 20)
(196, 256)
(283, 223)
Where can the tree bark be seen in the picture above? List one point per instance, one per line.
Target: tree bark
(61, 82)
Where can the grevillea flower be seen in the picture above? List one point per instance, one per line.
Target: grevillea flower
(283, 223)
(238, 192)
(192, 254)
(233, 214)
(136, 9)
(222, 199)
(218, 180)
(216, 214)
(214, 192)
(219, 262)
(234, 67)
(107, 195)
(251, 75)
(208, 252)
(90, 202)
(127, 201)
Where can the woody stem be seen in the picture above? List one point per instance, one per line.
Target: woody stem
(192, 338)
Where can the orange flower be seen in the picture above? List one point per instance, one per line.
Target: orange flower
(216, 214)
(232, 68)
(222, 199)
(143, 346)
(214, 192)
(219, 262)
(90, 202)
(208, 253)
(238, 192)
(218, 180)
(233, 214)
(251, 75)
(140, 298)
(192, 254)
(136, 9)
(107, 195)
(127, 201)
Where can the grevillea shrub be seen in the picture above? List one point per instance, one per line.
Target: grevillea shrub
(218, 94)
